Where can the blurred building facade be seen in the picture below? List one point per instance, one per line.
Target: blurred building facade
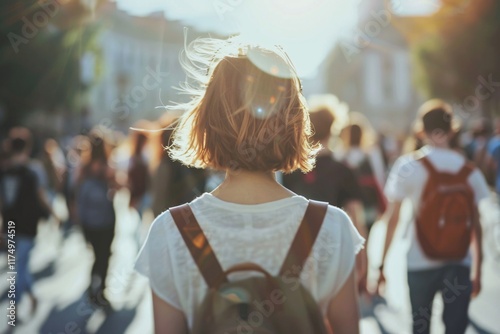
(372, 72)
(139, 67)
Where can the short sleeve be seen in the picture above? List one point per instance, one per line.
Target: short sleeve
(154, 251)
(396, 188)
(343, 241)
(351, 244)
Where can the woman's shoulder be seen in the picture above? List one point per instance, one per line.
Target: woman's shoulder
(339, 231)
(208, 205)
(162, 223)
(336, 220)
(336, 228)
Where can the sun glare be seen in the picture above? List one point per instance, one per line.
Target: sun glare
(306, 29)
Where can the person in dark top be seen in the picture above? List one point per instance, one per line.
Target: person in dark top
(138, 175)
(175, 183)
(361, 161)
(22, 204)
(332, 182)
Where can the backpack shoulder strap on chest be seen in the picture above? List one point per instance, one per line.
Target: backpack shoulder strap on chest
(428, 165)
(198, 245)
(304, 239)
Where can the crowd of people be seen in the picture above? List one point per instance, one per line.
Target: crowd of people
(87, 173)
(248, 154)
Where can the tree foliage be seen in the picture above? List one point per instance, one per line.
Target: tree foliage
(460, 60)
(40, 55)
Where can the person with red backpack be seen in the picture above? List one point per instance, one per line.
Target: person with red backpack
(445, 191)
(251, 256)
(364, 157)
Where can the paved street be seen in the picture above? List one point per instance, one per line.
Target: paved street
(61, 267)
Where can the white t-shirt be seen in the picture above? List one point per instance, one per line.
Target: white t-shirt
(408, 178)
(260, 233)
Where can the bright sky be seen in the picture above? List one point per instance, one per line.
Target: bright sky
(307, 29)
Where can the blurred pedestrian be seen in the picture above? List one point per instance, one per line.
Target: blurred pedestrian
(23, 204)
(138, 180)
(445, 192)
(365, 159)
(331, 181)
(53, 161)
(384, 143)
(96, 187)
(175, 183)
(456, 142)
(477, 149)
(78, 145)
(493, 158)
(249, 120)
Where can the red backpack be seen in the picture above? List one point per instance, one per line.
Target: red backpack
(444, 219)
(259, 304)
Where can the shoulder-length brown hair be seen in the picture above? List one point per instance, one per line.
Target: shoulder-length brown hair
(248, 113)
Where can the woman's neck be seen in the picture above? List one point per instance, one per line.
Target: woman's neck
(250, 187)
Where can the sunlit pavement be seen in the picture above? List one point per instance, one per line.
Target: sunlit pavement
(61, 267)
(61, 270)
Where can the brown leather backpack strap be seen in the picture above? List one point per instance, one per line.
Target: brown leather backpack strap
(465, 172)
(198, 245)
(428, 165)
(304, 239)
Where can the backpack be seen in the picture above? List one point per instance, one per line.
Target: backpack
(95, 208)
(371, 192)
(259, 304)
(444, 218)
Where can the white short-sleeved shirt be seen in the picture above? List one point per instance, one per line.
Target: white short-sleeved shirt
(260, 233)
(408, 178)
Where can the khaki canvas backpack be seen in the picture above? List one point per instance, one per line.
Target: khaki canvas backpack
(259, 304)
(444, 219)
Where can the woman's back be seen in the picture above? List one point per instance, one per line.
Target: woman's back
(247, 118)
(238, 233)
